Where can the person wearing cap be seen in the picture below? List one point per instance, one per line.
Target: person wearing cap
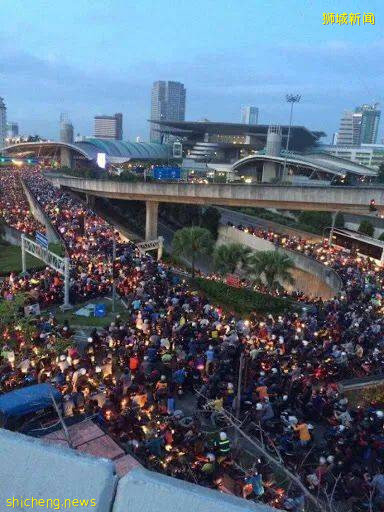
(161, 388)
(223, 445)
(209, 466)
(145, 366)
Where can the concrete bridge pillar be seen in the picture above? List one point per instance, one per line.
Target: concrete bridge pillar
(90, 200)
(270, 172)
(66, 157)
(152, 210)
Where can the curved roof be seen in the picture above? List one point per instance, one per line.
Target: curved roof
(32, 147)
(338, 167)
(116, 150)
(125, 149)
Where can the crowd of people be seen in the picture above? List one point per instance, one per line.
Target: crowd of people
(14, 207)
(163, 378)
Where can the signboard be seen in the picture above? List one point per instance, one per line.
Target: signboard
(42, 240)
(101, 160)
(166, 173)
(100, 310)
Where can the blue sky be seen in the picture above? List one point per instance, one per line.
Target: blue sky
(88, 57)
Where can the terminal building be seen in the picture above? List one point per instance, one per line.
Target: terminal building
(250, 153)
(207, 141)
(257, 153)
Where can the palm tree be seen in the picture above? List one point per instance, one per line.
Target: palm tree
(271, 267)
(228, 258)
(191, 243)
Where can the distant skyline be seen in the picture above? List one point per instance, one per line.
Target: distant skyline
(89, 57)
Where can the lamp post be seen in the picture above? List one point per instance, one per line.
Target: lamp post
(113, 273)
(292, 99)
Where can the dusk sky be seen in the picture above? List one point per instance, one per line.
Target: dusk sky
(88, 57)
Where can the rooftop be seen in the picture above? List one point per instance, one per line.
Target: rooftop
(234, 128)
(117, 151)
(31, 468)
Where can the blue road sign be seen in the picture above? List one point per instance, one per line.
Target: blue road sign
(42, 240)
(166, 173)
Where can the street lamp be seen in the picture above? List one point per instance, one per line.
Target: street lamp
(292, 99)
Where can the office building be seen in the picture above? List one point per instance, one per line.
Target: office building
(167, 104)
(359, 127)
(3, 122)
(109, 127)
(370, 118)
(249, 115)
(370, 155)
(350, 129)
(12, 130)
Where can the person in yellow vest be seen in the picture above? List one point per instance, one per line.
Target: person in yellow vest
(217, 406)
(223, 445)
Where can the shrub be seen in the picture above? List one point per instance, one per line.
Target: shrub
(241, 300)
(366, 228)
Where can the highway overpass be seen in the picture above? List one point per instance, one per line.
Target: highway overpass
(286, 197)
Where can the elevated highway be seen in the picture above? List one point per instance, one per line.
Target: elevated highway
(288, 197)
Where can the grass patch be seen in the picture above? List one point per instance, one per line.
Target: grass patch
(241, 300)
(10, 260)
(57, 249)
(90, 321)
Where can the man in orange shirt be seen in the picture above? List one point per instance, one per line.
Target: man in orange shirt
(304, 435)
(262, 392)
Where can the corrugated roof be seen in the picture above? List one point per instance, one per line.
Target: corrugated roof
(125, 149)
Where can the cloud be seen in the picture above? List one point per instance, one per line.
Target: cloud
(331, 77)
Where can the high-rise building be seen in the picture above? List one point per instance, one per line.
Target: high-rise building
(370, 118)
(66, 129)
(3, 122)
(167, 104)
(12, 130)
(249, 115)
(350, 129)
(359, 127)
(109, 127)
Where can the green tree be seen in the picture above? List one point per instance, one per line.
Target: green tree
(366, 228)
(271, 267)
(210, 220)
(381, 237)
(320, 220)
(191, 243)
(228, 258)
